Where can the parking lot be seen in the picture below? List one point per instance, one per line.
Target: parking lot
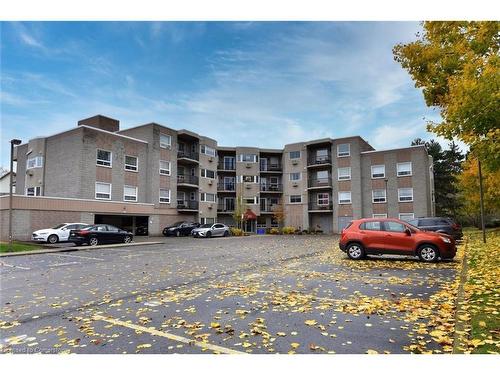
(258, 294)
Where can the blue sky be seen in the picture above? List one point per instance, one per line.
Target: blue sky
(242, 83)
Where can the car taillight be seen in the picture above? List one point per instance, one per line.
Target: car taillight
(455, 226)
(82, 232)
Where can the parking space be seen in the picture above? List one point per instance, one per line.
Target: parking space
(260, 294)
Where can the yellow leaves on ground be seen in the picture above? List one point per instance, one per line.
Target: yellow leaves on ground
(215, 325)
(143, 346)
(371, 351)
(310, 322)
(294, 345)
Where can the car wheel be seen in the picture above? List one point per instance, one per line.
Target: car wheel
(355, 251)
(428, 253)
(127, 239)
(94, 241)
(53, 239)
(209, 234)
(226, 233)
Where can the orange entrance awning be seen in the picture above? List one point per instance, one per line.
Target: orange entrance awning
(249, 215)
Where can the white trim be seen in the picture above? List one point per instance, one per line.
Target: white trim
(210, 170)
(240, 158)
(169, 196)
(327, 199)
(205, 147)
(102, 160)
(203, 197)
(295, 195)
(339, 178)
(399, 195)
(377, 165)
(405, 214)
(348, 152)
(37, 159)
(169, 168)
(95, 191)
(350, 197)
(125, 163)
(385, 196)
(290, 176)
(379, 216)
(136, 193)
(290, 155)
(404, 175)
(169, 145)
(73, 199)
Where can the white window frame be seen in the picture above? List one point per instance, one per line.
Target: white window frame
(97, 160)
(295, 195)
(326, 197)
(379, 216)
(377, 166)
(406, 214)
(127, 166)
(401, 164)
(130, 195)
(344, 154)
(37, 162)
(37, 191)
(405, 200)
(165, 144)
(292, 158)
(250, 200)
(169, 170)
(203, 173)
(203, 220)
(350, 197)
(295, 173)
(385, 196)
(102, 183)
(166, 199)
(343, 177)
(211, 150)
(203, 197)
(254, 157)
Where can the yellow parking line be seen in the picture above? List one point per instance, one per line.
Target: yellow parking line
(155, 332)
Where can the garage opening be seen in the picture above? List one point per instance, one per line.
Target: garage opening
(138, 225)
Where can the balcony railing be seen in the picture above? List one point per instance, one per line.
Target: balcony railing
(225, 207)
(320, 182)
(227, 166)
(315, 206)
(188, 155)
(187, 205)
(267, 207)
(226, 186)
(187, 179)
(319, 160)
(271, 167)
(271, 188)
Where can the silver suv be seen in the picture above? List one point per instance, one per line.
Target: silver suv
(211, 230)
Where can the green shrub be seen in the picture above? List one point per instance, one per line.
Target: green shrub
(237, 232)
(289, 230)
(274, 231)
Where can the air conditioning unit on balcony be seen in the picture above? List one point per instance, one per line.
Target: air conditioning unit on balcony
(248, 165)
(210, 182)
(210, 206)
(295, 184)
(295, 162)
(210, 159)
(29, 173)
(247, 186)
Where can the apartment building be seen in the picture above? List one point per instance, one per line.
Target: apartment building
(152, 175)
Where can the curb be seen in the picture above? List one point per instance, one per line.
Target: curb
(76, 248)
(460, 336)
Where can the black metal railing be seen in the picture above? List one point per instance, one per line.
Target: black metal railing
(271, 187)
(318, 160)
(225, 207)
(188, 155)
(315, 206)
(319, 182)
(227, 166)
(267, 207)
(187, 205)
(226, 186)
(187, 179)
(271, 167)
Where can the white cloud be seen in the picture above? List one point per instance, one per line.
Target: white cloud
(392, 136)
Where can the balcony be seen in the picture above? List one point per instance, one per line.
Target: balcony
(315, 206)
(318, 183)
(277, 167)
(226, 207)
(229, 166)
(184, 205)
(188, 156)
(271, 188)
(226, 186)
(267, 208)
(187, 180)
(319, 160)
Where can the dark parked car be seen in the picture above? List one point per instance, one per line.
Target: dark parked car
(438, 224)
(99, 234)
(141, 230)
(181, 228)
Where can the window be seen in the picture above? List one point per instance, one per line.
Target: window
(323, 199)
(36, 162)
(343, 150)
(208, 197)
(102, 190)
(131, 163)
(207, 173)
(379, 216)
(405, 195)
(407, 216)
(34, 191)
(322, 155)
(295, 198)
(165, 141)
(371, 225)
(164, 196)
(344, 197)
(378, 171)
(404, 169)
(296, 176)
(322, 175)
(344, 173)
(104, 158)
(207, 220)
(393, 226)
(207, 150)
(251, 200)
(248, 158)
(165, 167)
(379, 196)
(294, 154)
(130, 193)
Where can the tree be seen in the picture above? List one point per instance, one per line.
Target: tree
(468, 185)
(447, 166)
(279, 213)
(239, 207)
(457, 65)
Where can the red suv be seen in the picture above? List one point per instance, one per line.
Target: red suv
(392, 236)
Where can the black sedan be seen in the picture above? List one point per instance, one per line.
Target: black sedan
(181, 228)
(99, 234)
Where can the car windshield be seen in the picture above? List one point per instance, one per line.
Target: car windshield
(206, 226)
(177, 224)
(59, 226)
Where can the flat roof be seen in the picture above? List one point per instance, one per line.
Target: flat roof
(394, 149)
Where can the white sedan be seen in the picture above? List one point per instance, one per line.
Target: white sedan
(59, 233)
